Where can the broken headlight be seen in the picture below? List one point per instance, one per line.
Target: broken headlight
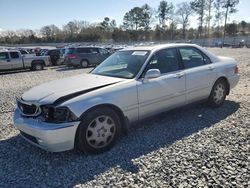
(53, 114)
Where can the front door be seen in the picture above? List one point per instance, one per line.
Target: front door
(167, 91)
(5, 62)
(16, 60)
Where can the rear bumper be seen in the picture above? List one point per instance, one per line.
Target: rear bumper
(47, 62)
(48, 136)
(72, 62)
(233, 80)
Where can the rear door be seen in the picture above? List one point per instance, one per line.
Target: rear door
(165, 92)
(16, 60)
(5, 62)
(200, 73)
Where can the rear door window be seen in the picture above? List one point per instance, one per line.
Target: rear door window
(23, 52)
(94, 50)
(192, 57)
(83, 50)
(14, 55)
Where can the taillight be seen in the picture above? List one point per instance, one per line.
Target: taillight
(71, 56)
(236, 70)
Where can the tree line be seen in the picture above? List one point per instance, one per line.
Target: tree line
(165, 22)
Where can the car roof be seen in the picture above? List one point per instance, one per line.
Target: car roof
(88, 47)
(155, 48)
(158, 46)
(7, 50)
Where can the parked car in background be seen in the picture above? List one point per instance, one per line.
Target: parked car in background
(62, 56)
(54, 56)
(13, 59)
(90, 111)
(85, 56)
(25, 53)
(43, 51)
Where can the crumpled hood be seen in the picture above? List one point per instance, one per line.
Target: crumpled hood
(49, 92)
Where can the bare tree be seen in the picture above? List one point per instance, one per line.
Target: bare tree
(165, 9)
(209, 16)
(199, 7)
(218, 15)
(71, 29)
(46, 32)
(184, 11)
(230, 6)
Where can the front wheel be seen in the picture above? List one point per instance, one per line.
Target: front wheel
(98, 131)
(218, 94)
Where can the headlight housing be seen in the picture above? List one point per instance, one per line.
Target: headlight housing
(53, 114)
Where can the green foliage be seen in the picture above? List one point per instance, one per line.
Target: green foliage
(165, 10)
(231, 29)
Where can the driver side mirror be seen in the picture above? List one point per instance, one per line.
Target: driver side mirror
(152, 73)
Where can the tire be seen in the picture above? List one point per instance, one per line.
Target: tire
(84, 64)
(218, 94)
(37, 66)
(98, 131)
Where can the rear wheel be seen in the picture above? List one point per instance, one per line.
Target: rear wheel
(84, 64)
(218, 94)
(37, 66)
(98, 131)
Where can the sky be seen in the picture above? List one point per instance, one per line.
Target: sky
(33, 14)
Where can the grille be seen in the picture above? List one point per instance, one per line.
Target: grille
(28, 109)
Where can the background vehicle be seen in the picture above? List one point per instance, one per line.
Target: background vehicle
(85, 56)
(13, 59)
(54, 56)
(62, 56)
(25, 53)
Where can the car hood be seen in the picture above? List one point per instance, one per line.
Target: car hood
(67, 88)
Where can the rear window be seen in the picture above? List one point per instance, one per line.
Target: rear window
(23, 52)
(83, 50)
(69, 50)
(14, 55)
(62, 51)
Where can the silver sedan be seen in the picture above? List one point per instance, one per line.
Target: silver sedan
(91, 111)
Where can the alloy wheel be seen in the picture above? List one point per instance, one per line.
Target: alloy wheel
(100, 132)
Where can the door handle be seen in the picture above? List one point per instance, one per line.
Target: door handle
(210, 68)
(178, 75)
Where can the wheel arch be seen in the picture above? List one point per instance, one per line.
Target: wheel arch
(38, 61)
(223, 78)
(118, 111)
(84, 59)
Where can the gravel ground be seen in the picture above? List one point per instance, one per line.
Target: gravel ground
(194, 146)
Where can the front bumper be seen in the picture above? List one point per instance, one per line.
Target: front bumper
(48, 136)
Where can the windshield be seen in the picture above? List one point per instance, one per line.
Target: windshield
(122, 64)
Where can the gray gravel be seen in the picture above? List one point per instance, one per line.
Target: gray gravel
(194, 146)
